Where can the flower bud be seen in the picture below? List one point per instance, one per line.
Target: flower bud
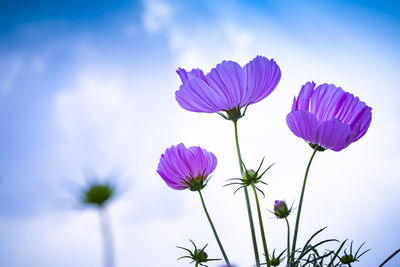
(249, 176)
(275, 261)
(197, 255)
(347, 259)
(201, 255)
(280, 209)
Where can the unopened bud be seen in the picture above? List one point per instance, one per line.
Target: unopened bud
(275, 261)
(201, 255)
(280, 209)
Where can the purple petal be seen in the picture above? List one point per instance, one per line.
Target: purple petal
(182, 74)
(353, 135)
(171, 183)
(364, 118)
(172, 165)
(194, 73)
(357, 114)
(303, 124)
(350, 109)
(262, 77)
(196, 95)
(333, 134)
(303, 99)
(169, 170)
(202, 161)
(326, 102)
(228, 81)
(196, 160)
(354, 110)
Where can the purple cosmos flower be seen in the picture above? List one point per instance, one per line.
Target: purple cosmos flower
(328, 117)
(227, 87)
(182, 167)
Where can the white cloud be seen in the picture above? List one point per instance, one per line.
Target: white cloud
(157, 15)
(237, 37)
(96, 115)
(10, 68)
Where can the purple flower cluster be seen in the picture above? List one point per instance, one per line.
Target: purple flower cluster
(325, 116)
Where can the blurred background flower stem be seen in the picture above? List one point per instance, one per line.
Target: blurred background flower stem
(108, 247)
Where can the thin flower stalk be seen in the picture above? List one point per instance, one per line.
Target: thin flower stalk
(390, 257)
(261, 226)
(246, 195)
(288, 241)
(296, 227)
(214, 231)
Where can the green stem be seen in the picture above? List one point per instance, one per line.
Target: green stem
(197, 264)
(296, 228)
(246, 195)
(288, 241)
(214, 231)
(261, 226)
(391, 256)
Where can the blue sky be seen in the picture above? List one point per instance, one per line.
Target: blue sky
(84, 85)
